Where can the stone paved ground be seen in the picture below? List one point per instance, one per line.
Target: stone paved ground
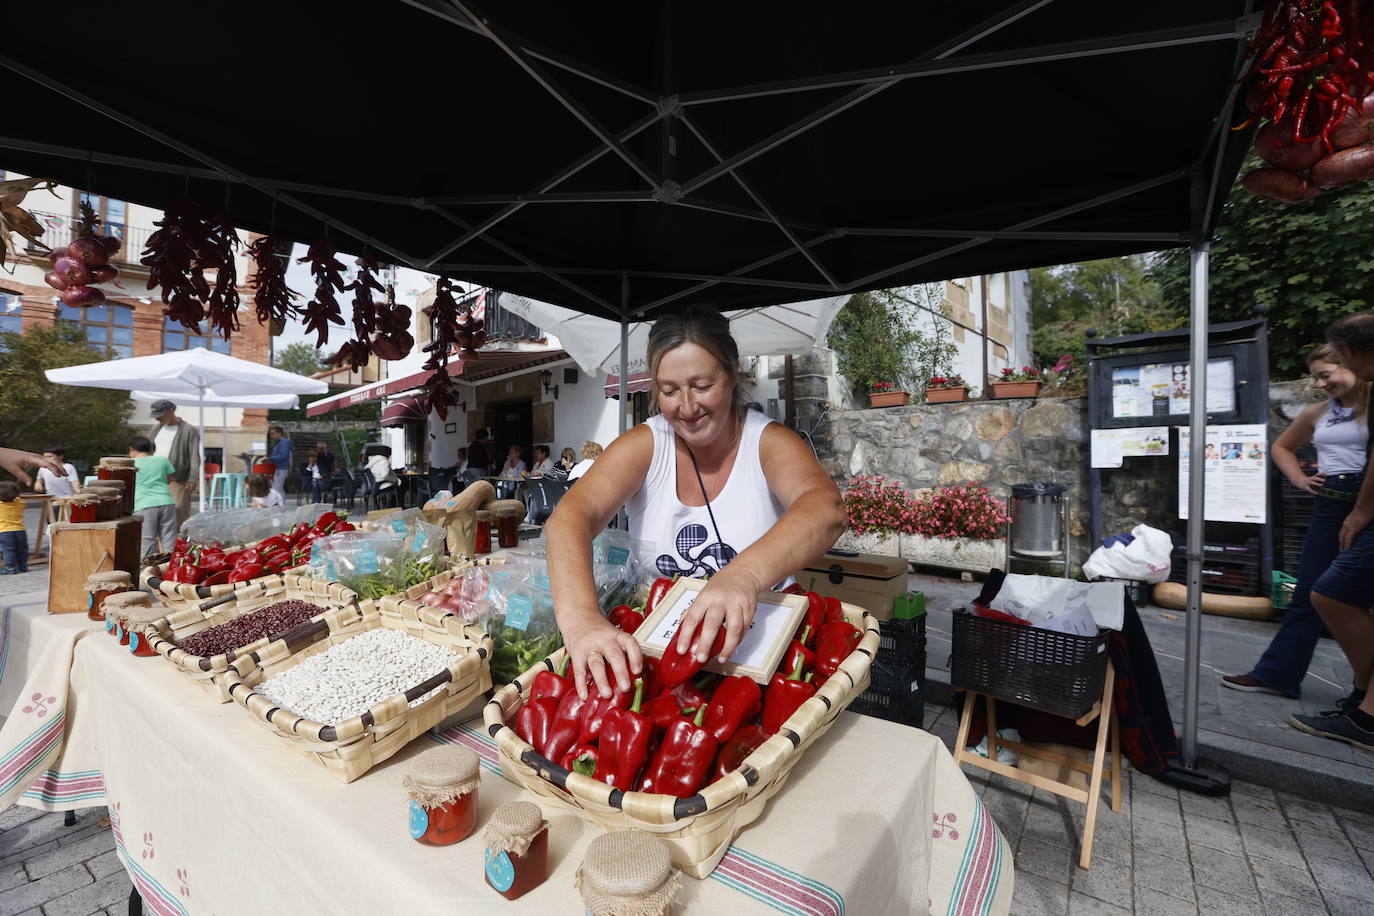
(1257, 852)
(51, 869)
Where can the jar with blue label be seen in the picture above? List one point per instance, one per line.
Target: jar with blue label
(441, 795)
(117, 608)
(517, 856)
(139, 615)
(101, 585)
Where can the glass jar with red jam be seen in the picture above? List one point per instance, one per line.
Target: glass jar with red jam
(508, 527)
(82, 509)
(482, 541)
(626, 871)
(117, 608)
(441, 788)
(139, 615)
(121, 469)
(102, 585)
(517, 856)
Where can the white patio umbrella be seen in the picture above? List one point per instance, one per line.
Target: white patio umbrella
(595, 343)
(189, 376)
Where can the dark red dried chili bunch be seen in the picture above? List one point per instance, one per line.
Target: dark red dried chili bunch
(218, 253)
(443, 322)
(440, 392)
(323, 309)
(358, 351)
(271, 296)
(1312, 58)
(172, 258)
(472, 333)
(392, 339)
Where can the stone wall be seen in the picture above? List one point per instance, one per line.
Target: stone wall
(1001, 443)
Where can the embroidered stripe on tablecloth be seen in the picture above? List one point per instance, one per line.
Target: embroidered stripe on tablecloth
(19, 761)
(751, 875)
(980, 872)
(156, 898)
(56, 788)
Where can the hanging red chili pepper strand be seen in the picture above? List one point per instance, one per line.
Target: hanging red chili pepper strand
(323, 308)
(271, 296)
(392, 339)
(171, 256)
(358, 351)
(439, 392)
(219, 253)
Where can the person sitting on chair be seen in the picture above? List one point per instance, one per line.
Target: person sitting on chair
(542, 462)
(515, 463)
(380, 466)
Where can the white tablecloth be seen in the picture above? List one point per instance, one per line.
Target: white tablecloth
(213, 813)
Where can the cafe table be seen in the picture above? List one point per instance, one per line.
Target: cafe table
(212, 813)
(506, 486)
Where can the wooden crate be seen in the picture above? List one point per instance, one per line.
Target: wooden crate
(81, 549)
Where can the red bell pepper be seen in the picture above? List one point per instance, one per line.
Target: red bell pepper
(534, 722)
(797, 649)
(815, 610)
(567, 725)
(747, 740)
(189, 574)
(692, 694)
(272, 544)
(327, 523)
(341, 527)
(584, 759)
(833, 611)
(594, 714)
(666, 710)
(627, 618)
(217, 578)
(683, 760)
(212, 560)
(785, 694)
(676, 667)
(833, 645)
(794, 589)
(552, 683)
(298, 532)
(181, 545)
(246, 571)
(624, 743)
(660, 588)
(736, 701)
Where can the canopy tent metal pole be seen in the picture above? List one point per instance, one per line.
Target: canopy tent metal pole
(198, 473)
(624, 351)
(223, 438)
(1197, 431)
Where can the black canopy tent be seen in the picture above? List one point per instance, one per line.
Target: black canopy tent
(627, 159)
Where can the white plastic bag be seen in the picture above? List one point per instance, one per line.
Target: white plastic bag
(1147, 558)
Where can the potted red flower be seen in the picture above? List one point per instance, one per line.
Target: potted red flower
(944, 389)
(1024, 383)
(886, 394)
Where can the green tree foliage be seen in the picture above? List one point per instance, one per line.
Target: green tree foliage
(36, 413)
(1114, 295)
(1308, 263)
(877, 337)
(300, 358)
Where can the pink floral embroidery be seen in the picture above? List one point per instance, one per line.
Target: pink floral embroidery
(942, 826)
(185, 880)
(40, 704)
(147, 846)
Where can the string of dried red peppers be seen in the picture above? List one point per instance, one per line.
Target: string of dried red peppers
(271, 296)
(323, 308)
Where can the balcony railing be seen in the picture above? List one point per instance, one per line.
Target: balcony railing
(60, 229)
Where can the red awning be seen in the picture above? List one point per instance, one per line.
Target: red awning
(406, 410)
(638, 381)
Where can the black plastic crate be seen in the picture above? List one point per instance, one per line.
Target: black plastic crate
(1139, 590)
(1058, 673)
(895, 694)
(901, 641)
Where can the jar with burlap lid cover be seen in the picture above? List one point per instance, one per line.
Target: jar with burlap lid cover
(517, 857)
(122, 469)
(138, 617)
(117, 608)
(101, 585)
(442, 787)
(627, 873)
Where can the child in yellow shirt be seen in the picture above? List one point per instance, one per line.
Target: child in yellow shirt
(14, 538)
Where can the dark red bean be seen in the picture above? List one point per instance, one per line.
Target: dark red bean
(271, 621)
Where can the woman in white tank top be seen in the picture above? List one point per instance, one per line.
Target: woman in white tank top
(711, 489)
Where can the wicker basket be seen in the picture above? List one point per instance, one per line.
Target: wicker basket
(1058, 673)
(182, 596)
(350, 748)
(165, 634)
(698, 830)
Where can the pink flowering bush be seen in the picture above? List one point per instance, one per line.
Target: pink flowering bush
(946, 381)
(1026, 374)
(877, 505)
(964, 511)
(881, 387)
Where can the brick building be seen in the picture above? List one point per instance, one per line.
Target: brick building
(132, 322)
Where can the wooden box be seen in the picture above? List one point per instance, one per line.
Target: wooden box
(870, 581)
(81, 549)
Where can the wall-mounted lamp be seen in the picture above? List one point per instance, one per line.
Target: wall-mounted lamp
(546, 377)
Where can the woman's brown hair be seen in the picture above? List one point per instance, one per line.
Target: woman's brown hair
(1359, 392)
(707, 328)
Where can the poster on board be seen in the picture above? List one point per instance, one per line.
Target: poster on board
(1163, 389)
(1234, 476)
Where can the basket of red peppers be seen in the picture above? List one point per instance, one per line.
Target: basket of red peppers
(686, 754)
(200, 572)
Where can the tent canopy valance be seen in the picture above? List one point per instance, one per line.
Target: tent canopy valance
(636, 158)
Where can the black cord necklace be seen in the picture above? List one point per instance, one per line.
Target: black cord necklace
(701, 483)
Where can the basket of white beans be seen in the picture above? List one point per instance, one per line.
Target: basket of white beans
(355, 687)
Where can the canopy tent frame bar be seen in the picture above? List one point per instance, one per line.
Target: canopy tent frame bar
(547, 197)
(191, 152)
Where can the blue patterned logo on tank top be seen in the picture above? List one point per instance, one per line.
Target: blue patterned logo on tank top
(710, 558)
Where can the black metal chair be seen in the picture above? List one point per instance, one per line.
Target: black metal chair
(348, 487)
(544, 494)
(470, 477)
(440, 479)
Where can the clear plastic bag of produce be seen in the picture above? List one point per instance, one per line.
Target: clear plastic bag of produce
(519, 616)
(310, 513)
(466, 594)
(264, 523)
(422, 538)
(372, 563)
(217, 526)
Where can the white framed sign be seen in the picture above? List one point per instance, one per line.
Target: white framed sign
(776, 620)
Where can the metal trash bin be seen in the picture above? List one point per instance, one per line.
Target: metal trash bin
(1037, 516)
